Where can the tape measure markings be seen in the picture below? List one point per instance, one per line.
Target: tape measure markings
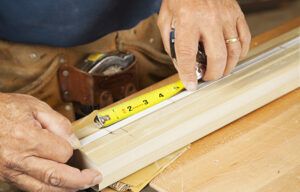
(124, 110)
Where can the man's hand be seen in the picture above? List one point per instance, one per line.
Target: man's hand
(211, 22)
(35, 142)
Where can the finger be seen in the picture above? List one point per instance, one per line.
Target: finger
(27, 183)
(216, 51)
(60, 175)
(50, 146)
(57, 124)
(186, 47)
(233, 49)
(164, 24)
(244, 35)
(38, 142)
(54, 148)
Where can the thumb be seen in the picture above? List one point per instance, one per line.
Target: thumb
(186, 46)
(57, 124)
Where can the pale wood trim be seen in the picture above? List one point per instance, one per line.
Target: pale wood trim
(158, 134)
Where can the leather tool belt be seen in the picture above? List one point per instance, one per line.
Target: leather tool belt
(98, 81)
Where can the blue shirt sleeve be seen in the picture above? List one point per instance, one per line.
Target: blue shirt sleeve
(66, 23)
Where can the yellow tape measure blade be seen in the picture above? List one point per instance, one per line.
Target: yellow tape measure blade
(124, 110)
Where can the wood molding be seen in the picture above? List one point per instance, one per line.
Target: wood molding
(206, 110)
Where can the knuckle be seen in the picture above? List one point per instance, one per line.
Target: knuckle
(11, 162)
(52, 177)
(12, 176)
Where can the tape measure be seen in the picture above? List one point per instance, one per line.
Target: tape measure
(121, 111)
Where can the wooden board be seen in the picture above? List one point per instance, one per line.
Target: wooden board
(152, 137)
(259, 152)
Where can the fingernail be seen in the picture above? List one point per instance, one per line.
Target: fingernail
(190, 86)
(74, 141)
(97, 180)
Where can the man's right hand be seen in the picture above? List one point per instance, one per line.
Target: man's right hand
(35, 144)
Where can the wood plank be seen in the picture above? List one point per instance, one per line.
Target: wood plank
(152, 137)
(259, 152)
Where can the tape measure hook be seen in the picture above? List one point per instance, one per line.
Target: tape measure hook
(100, 120)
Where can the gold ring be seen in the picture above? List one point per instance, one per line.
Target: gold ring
(232, 40)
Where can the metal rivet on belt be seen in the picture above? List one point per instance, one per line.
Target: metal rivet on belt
(33, 55)
(62, 60)
(151, 40)
(65, 73)
(68, 107)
